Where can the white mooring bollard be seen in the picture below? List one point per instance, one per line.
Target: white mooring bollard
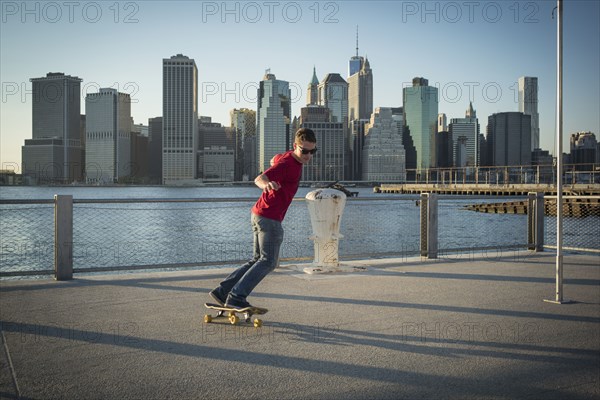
(325, 207)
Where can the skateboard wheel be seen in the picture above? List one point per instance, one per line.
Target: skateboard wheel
(234, 319)
(208, 318)
(257, 323)
(231, 313)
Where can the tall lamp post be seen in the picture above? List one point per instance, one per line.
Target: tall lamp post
(559, 134)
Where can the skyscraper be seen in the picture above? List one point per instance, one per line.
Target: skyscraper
(420, 118)
(468, 129)
(108, 136)
(273, 119)
(360, 92)
(528, 104)
(407, 143)
(442, 123)
(360, 107)
(243, 121)
(333, 94)
(584, 151)
(354, 64)
(384, 159)
(155, 150)
(444, 149)
(329, 162)
(180, 119)
(216, 157)
(54, 153)
(509, 139)
(312, 94)
(357, 139)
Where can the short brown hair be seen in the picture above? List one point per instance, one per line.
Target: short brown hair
(305, 135)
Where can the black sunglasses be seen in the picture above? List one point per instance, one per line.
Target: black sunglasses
(304, 151)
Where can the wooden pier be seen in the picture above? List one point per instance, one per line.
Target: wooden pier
(572, 207)
(488, 190)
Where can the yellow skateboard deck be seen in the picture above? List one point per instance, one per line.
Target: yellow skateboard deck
(232, 314)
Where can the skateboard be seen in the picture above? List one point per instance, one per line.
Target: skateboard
(231, 314)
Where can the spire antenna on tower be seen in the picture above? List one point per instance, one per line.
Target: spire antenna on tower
(356, 40)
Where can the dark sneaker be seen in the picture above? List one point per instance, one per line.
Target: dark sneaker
(217, 296)
(236, 304)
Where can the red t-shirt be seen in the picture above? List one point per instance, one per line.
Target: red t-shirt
(286, 171)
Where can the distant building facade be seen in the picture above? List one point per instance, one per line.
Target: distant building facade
(243, 121)
(216, 157)
(528, 104)
(139, 158)
(543, 162)
(328, 163)
(108, 136)
(180, 120)
(509, 139)
(357, 140)
(468, 129)
(442, 123)
(273, 119)
(584, 151)
(360, 108)
(54, 154)
(155, 152)
(333, 94)
(384, 159)
(360, 92)
(444, 150)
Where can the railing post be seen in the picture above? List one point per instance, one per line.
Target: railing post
(539, 221)
(429, 225)
(423, 220)
(63, 237)
(432, 230)
(535, 221)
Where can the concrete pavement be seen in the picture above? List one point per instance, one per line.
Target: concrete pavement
(461, 327)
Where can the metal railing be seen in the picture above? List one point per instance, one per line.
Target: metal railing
(581, 223)
(126, 234)
(505, 175)
(129, 234)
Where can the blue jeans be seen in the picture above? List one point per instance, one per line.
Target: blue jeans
(268, 236)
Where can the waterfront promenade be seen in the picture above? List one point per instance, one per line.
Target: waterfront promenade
(460, 327)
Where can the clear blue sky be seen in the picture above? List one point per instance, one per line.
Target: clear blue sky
(474, 51)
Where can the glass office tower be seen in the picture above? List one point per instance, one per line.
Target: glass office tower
(420, 118)
(273, 119)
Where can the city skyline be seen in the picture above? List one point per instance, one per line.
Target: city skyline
(472, 53)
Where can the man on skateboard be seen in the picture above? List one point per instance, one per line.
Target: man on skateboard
(279, 184)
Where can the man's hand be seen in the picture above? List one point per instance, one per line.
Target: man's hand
(272, 186)
(263, 182)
